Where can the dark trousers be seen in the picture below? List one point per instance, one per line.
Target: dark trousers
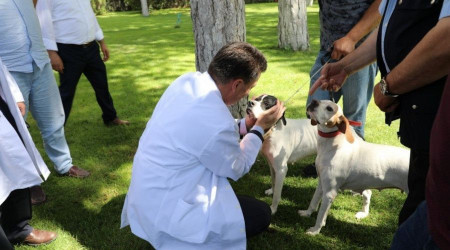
(418, 168)
(7, 113)
(84, 60)
(257, 215)
(15, 214)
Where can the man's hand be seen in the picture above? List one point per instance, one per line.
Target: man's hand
(342, 47)
(333, 76)
(269, 117)
(57, 63)
(22, 108)
(105, 50)
(385, 103)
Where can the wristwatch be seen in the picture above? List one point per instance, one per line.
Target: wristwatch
(384, 88)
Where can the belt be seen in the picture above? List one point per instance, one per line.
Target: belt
(84, 45)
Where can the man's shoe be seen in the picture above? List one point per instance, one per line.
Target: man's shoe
(117, 122)
(310, 171)
(77, 172)
(37, 195)
(39, 237)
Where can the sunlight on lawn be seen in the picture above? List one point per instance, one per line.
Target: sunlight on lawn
(147, 54)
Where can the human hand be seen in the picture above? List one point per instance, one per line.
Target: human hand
(55, 60)
(384, 103)
(22, 108)
(342, 47)
(332, 77)
(269, 117)
(105, 50)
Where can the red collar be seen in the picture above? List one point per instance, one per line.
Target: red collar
(354, 123)
(330, 134)
(337, 132)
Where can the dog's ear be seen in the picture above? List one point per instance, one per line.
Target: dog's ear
(313, 122)
(344, 127)
(283, 119)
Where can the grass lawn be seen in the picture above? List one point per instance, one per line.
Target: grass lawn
(147, 54)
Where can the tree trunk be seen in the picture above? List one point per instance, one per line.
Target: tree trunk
(310, 2)
(215, 24)
(144, 7)
(292, 25)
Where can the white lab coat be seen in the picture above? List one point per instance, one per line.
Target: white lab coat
(179, 196)
(20, 166)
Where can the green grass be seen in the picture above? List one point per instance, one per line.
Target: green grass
(147, 54)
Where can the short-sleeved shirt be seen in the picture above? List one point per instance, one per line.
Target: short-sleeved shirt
(337, 18)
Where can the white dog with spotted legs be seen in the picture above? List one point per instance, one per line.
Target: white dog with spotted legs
(288, 141)
(345, 161)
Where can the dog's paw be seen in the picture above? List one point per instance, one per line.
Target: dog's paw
(273, 209)
(269, 191)
(304, 213)
(313, 231)
(361, 215)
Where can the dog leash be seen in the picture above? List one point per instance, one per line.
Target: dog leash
(324, 62)
(303, 85)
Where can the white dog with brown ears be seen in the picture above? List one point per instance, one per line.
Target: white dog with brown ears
(345, 161)
(288, 141)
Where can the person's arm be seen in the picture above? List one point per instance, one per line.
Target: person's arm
(227, 157)
(15, 91)
(333, 75)
(100, 38)
(364, 26)
(44, 13)
(426, 63)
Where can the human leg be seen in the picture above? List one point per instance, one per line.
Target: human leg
(16, 214)
(257, 215)
(417, 175)
(14, 220)
(95, 72)
(414, 233)
(357, 92)
(73, 68)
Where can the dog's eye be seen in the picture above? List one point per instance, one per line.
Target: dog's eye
(330, 109)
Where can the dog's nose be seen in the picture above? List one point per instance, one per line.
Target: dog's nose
(314, 103)
(250, 104)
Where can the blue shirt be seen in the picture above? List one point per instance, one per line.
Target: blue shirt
(21, 40)
(445, 12)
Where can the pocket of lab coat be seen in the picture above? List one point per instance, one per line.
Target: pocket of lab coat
(188, 222)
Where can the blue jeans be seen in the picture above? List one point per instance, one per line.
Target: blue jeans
(42, 98)
(357, 91)
(414, 233)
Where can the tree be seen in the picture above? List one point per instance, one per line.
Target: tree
(144, 7)
(292, 25)
(215, 24)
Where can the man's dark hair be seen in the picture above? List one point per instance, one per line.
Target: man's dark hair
(237, 60)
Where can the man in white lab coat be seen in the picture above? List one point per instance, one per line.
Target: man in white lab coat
(179, 196)
(21, 167)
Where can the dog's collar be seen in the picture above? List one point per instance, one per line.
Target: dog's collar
(329, 134)
(354, 123)
(337, 132)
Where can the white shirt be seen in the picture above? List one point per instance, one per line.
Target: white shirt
(179, 196)
(20, 163)
(68, 22)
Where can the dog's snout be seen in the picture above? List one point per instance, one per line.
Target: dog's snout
(313, 105)
(250, 104)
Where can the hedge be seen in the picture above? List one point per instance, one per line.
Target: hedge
(101, 6)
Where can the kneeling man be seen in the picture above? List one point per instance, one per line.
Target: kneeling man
(179, 196)
(21, 167)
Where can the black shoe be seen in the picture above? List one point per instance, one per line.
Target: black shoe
(310, 171)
